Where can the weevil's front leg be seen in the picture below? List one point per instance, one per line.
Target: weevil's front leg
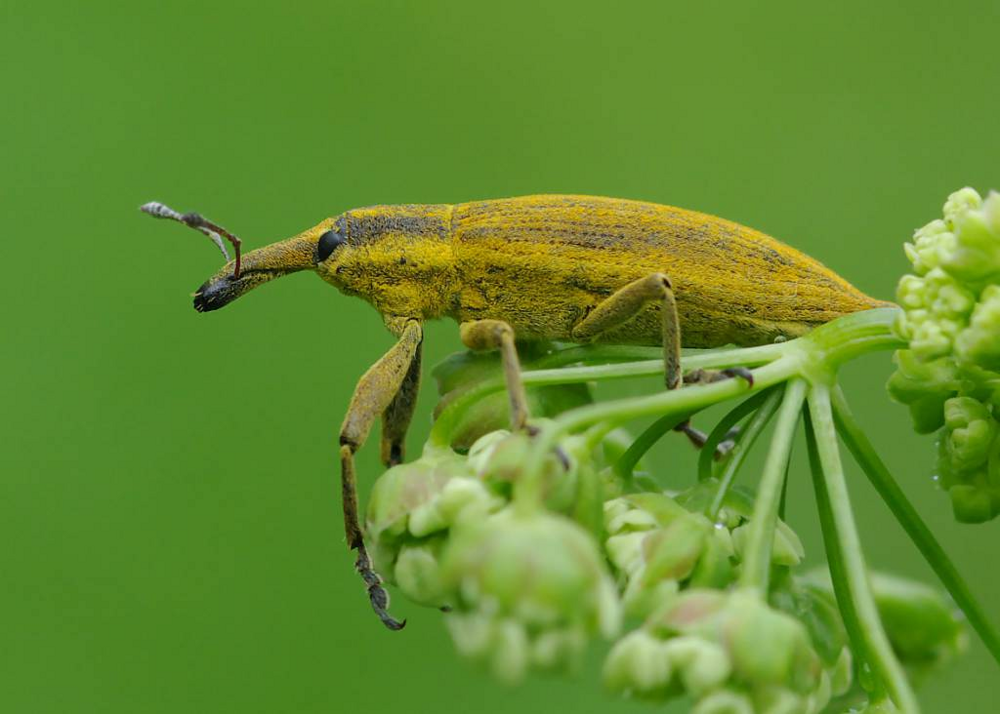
(498, 335)
(397, 416)
(376, 391)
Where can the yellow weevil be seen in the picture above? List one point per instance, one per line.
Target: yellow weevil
(568, 268)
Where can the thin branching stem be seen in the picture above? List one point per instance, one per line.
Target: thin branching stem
(839, 526)
(644, 442)
(760, 539)
(707, 457)
(739, 453)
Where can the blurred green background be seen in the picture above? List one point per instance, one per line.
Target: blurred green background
(170, 528)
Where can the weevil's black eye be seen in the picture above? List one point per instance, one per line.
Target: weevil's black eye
(329, 242)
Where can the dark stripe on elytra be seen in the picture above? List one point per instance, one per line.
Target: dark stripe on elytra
(594, 239)
(514, 206)
(370, 228)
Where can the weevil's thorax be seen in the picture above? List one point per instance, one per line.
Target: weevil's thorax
(399, 258)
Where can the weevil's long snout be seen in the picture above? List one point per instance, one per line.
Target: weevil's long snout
(259, 266)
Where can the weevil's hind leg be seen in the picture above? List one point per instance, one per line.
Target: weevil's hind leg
(707, 376)
(397, 416)
(498, 335)
(376, 390)
(698, 438)
(627, 302)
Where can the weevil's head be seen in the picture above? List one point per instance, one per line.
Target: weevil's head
(316, 249)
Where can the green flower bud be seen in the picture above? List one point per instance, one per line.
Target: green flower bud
(971, 430)
(842, 673)
(777, 700)
(643, 665)
(975, 259)
(724, 702)
(417, 572)
(786, 550)
(959, 203)
(936, 308)
(925, 629)
(410, 510)
(769, 647)
(971, 504)
(528, 590)
(980, 341)
(715, 567)
(930, 246)
(638, 664)
(702, 665)
(816, 608)
(403, 489)
(969, 460)
(737, 506)
(715, 641)
(924, 386)
(571, 483)
(656, 544)
(501, 643)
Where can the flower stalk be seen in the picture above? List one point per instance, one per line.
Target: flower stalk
(757, 555)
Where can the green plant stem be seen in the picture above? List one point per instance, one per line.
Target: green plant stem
(784, 488)
(604, 354)
(856, 334)
(837, 518)
(707, 457)
(838, 572)
(875, 469)
(827, 346)
(739, 453)
(757, 555)
(677, 401)
(555, 374)
(626, 463)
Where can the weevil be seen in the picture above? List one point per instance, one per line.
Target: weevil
(550, 267)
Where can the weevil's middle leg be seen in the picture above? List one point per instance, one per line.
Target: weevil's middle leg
(498, 335)
(377, 390)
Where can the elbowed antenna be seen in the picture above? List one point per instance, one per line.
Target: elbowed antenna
(259, 266)
(256, 268)
(201, 224)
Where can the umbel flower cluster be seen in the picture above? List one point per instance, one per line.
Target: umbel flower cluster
(537, 545)
(950, 374)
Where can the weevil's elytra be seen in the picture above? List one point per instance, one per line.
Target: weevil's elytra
(549, 267)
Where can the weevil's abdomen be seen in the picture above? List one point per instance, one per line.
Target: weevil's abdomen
(543, 262)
